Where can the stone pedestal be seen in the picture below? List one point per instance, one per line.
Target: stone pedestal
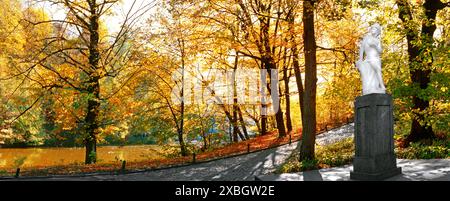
(375, 158)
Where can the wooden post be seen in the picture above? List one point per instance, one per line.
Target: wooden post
(17, 173)
(248, 148)
(326, 127)
(193, 158)
(124, 162)
(290, 139)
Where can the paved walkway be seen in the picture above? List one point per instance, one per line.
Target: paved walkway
(244, 167)
(412, 170)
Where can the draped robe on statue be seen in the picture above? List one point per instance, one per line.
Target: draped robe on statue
(370, 67)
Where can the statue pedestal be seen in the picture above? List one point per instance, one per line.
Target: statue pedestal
(374, 138)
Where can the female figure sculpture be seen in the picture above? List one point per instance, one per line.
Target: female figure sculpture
(370, 66)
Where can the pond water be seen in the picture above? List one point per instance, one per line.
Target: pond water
(30, 157)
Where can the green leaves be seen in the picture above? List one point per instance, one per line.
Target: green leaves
(418, 150)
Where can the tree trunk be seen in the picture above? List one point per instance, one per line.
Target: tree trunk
(236, 130)
(288, 110)
(267, 59)
(298, 81)
(235, 125)
(234, 121)
(420, 76)
(279, 119)
(244, 128)
(182, 144)
(309, 126)
(93, 89)
(205, 140)
(91, 121)
(296, 64)
(255, 119)
(263, 114)
(181, 126)
(273, 91)
(286, 94)
(232, 124)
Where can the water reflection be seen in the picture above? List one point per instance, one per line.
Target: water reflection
(10, 157)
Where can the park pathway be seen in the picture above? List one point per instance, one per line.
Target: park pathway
(412, 170)
(244, 167)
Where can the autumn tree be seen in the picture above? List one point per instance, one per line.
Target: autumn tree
(11, 46)
(420, 45)
(82, 48)
(253, 29)
(309, 126)
(16, 89)
(175, 48)
(292, 7)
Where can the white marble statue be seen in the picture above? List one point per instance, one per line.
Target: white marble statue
(370, 66)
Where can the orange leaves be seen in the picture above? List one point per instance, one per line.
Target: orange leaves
(115, 100)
